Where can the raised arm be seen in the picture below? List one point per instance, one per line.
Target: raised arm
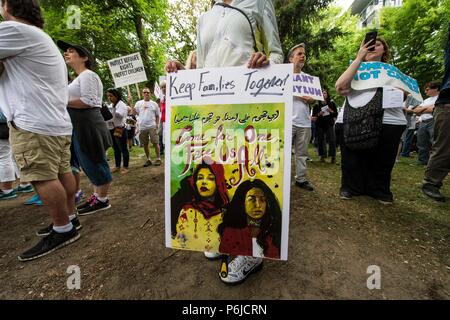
(343, 84)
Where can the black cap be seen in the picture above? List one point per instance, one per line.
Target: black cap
(82, 51)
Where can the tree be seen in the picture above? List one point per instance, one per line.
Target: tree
(112, 28)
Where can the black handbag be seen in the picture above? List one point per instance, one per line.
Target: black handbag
(4, 131)
(362, 126)
(106, 114)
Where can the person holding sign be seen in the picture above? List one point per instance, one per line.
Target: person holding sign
(426, 123)
(237, 45)
(373, 122)
(301, 129)
(91, 137)
(325, 112)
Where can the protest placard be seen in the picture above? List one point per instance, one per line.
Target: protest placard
(228, 160)
(127, 70)
(158, 92)
(307, 86)
(378, 74)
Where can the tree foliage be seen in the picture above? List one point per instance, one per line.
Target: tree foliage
(112, 28)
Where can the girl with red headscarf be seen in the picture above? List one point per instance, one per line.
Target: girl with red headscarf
(197, 209)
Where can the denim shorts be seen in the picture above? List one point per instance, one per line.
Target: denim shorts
(98, 172)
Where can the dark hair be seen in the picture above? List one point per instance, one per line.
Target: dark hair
(28, 10)
(90, 62)
(116, 93)
(236, 217)
(434, 85)
(387, 53)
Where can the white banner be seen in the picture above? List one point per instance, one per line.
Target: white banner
(230, 133)
(127, 70)
(378, 74)
(307, 86)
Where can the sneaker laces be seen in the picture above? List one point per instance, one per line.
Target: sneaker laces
(91, 198)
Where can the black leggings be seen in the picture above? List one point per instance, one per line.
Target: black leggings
(368, 172)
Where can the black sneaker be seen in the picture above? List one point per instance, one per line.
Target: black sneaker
(94, 206)
(433, 192)
(49, 244)
(148, 163)
(345, 195)
(305, 185)
(46, 231)
(87, 203)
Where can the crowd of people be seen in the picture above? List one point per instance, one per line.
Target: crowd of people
(61, 127)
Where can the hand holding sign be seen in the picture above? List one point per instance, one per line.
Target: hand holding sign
(307, 87)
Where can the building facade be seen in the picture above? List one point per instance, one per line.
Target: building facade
(369, 10)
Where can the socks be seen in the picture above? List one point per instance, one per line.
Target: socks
(24, 185)
(63, 229)
(72, 216)
(102, 199)
(7, 191)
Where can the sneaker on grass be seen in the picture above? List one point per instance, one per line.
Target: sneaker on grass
(49, 244)
(47, 230)
(8, 196)
(94, 205)
(240, 268)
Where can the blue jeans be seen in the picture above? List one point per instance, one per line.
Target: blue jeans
(425, 140)
(407, 143)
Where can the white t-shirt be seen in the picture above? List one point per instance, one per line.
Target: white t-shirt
(301, 114)
(119, 113)
(88, 88)
(33, 87)
(393, 116)
(224, 36)
(426, 103)
(147, 111)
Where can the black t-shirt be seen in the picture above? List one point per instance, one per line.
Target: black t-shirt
(328, 120)
(444, 97)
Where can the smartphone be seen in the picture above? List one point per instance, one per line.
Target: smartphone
(371, 36)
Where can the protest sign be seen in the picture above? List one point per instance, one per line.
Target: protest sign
(158, 92)
(378, 74)
(127, 70)
(228, 160)
(307, 86)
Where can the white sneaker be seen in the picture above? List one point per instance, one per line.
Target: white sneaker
(240, 268)
(212, 255)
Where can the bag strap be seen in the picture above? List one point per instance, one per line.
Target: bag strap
(226, 5)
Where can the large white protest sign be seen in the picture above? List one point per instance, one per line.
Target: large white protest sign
(127, 70)
(307, 86)
(377, 74)
(230, 139)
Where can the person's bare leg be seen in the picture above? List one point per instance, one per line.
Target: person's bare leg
(53, 195)
(102, 191)
(158, 153)
(69, 183)
(77, 181)
(8, 185)
(147, 151)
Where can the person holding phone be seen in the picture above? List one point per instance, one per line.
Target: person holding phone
(371, 132)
